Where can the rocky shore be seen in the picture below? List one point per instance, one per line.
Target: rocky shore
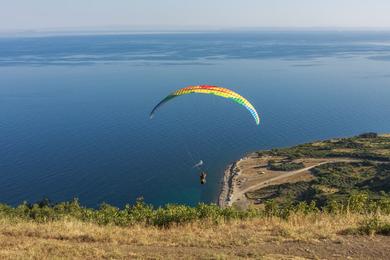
(227, 188)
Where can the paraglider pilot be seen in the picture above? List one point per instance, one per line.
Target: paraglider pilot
(203, 177)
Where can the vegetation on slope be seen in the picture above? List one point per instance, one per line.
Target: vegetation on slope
(284, 166)
(144, 214)
(368, 146)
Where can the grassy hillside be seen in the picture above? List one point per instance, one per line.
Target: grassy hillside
(312, 236)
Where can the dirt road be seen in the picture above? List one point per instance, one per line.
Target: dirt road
(240, 194)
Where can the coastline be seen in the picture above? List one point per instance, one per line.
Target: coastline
(227, 188)
(250, 172)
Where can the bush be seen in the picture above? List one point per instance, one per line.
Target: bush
(305, 208)
(358, 203)
(285, 166)
(368, 135)
(174, 214)
(372, 226)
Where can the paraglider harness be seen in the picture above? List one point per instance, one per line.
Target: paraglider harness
(203, 177)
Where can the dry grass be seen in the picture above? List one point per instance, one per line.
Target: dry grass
(305, 236)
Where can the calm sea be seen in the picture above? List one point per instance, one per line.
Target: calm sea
(74, 110)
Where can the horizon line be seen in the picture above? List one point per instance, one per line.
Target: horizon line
(177, 29)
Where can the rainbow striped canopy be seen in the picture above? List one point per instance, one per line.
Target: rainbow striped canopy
(213, 90)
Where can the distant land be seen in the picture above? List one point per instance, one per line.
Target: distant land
(113, 30)
(317, 171)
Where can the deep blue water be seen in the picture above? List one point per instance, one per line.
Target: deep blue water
(74, 110)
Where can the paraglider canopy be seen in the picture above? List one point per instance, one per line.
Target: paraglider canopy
(212, 90)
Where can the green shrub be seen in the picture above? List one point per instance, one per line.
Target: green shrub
(334, 206)
(305, 208)
(174, 214)
(285, 166)
(368, 135)
(372, 226)
(358, 202)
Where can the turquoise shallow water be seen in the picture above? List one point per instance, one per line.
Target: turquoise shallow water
(74, 110)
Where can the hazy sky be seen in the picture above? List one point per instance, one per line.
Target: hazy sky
(44, 14)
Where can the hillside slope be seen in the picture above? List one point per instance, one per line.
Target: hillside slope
(322, 171)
